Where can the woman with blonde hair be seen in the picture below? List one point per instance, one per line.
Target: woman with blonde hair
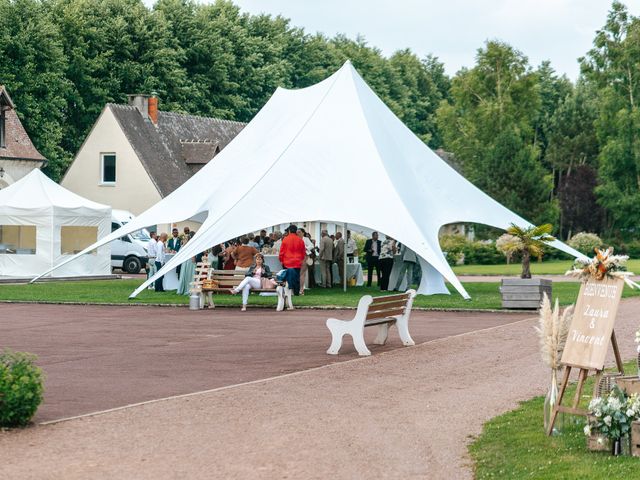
(258, 276)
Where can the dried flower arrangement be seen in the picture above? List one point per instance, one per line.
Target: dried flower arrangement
(604, 265)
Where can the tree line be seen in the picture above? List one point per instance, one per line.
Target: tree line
(550, 149)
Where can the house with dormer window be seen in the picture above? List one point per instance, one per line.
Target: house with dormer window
(18, 155)
(136, 154)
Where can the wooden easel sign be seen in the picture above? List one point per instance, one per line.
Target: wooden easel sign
(589, 335)
(592, 324)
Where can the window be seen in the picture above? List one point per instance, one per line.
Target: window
(18, 239)
(108, 168)
(75, 239)
(3, 142)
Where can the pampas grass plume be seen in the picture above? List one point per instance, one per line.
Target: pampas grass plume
(553, 329)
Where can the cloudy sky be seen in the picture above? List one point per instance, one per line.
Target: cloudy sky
(557, 30)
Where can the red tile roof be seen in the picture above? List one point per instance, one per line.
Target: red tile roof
(18, 145)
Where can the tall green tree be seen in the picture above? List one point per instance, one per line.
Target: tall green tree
(421, 86)
(33, 67)
(613, 69)
(113, 48)
(572, 154)
(65, 59)
(553, 89)
(490, 125)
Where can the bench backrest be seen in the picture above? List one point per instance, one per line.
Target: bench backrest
(388, 306)
(227, 278)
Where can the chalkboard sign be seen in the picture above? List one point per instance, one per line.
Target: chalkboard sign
(592, 324)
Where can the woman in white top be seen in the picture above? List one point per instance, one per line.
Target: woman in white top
(252, 279)
(305, 266)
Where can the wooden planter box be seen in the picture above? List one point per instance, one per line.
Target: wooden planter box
(598, 443)
(525, 293)
(630, 384)
(635, 439)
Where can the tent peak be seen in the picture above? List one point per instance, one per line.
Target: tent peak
(347, 65)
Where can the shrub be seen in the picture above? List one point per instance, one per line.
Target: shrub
(509, 246)
(453, 243)
(631, 248)
(482, 253)
(453, 247)
(585, 242)
(459, 250)
(360, 241)
(20, 388)
(551, 253)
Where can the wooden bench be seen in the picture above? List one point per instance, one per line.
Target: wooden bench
(227, 279)
(381, 311)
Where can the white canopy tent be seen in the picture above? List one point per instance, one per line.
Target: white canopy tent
(42, 225)
(330, 152)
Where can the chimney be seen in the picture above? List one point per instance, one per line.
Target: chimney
(153, 108)
(147, 105)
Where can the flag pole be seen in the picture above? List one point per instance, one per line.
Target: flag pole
(344, 259)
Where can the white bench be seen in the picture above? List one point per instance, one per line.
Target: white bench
(381, 311)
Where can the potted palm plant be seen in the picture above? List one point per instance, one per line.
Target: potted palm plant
(526, 292)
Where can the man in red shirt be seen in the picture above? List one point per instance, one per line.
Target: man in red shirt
(292, 253)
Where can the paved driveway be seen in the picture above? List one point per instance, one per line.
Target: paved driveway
(101, 357)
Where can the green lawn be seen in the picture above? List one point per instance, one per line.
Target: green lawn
(514, 446)
(483, 295)
(551, 267)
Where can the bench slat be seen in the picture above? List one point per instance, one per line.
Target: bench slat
(380, 321)
(386, 305)
(384, 313)
(390, 298)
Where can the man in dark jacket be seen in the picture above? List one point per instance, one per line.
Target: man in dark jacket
(174, 242)
(372, 250)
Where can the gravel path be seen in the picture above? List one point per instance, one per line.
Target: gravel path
(101, 357)
(406, 413)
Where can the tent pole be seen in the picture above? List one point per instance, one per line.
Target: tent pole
(344, 259)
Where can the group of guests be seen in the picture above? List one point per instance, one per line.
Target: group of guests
(332, 249)
(380, 254)
(297, 252)
(239, 253)
(159, 246)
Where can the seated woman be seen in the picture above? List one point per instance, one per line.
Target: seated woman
(258, 276)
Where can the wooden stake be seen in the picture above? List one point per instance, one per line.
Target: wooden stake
(616, 352)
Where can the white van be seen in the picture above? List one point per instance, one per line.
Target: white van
(128, 253)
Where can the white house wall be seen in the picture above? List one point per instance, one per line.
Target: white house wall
(133, 190)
